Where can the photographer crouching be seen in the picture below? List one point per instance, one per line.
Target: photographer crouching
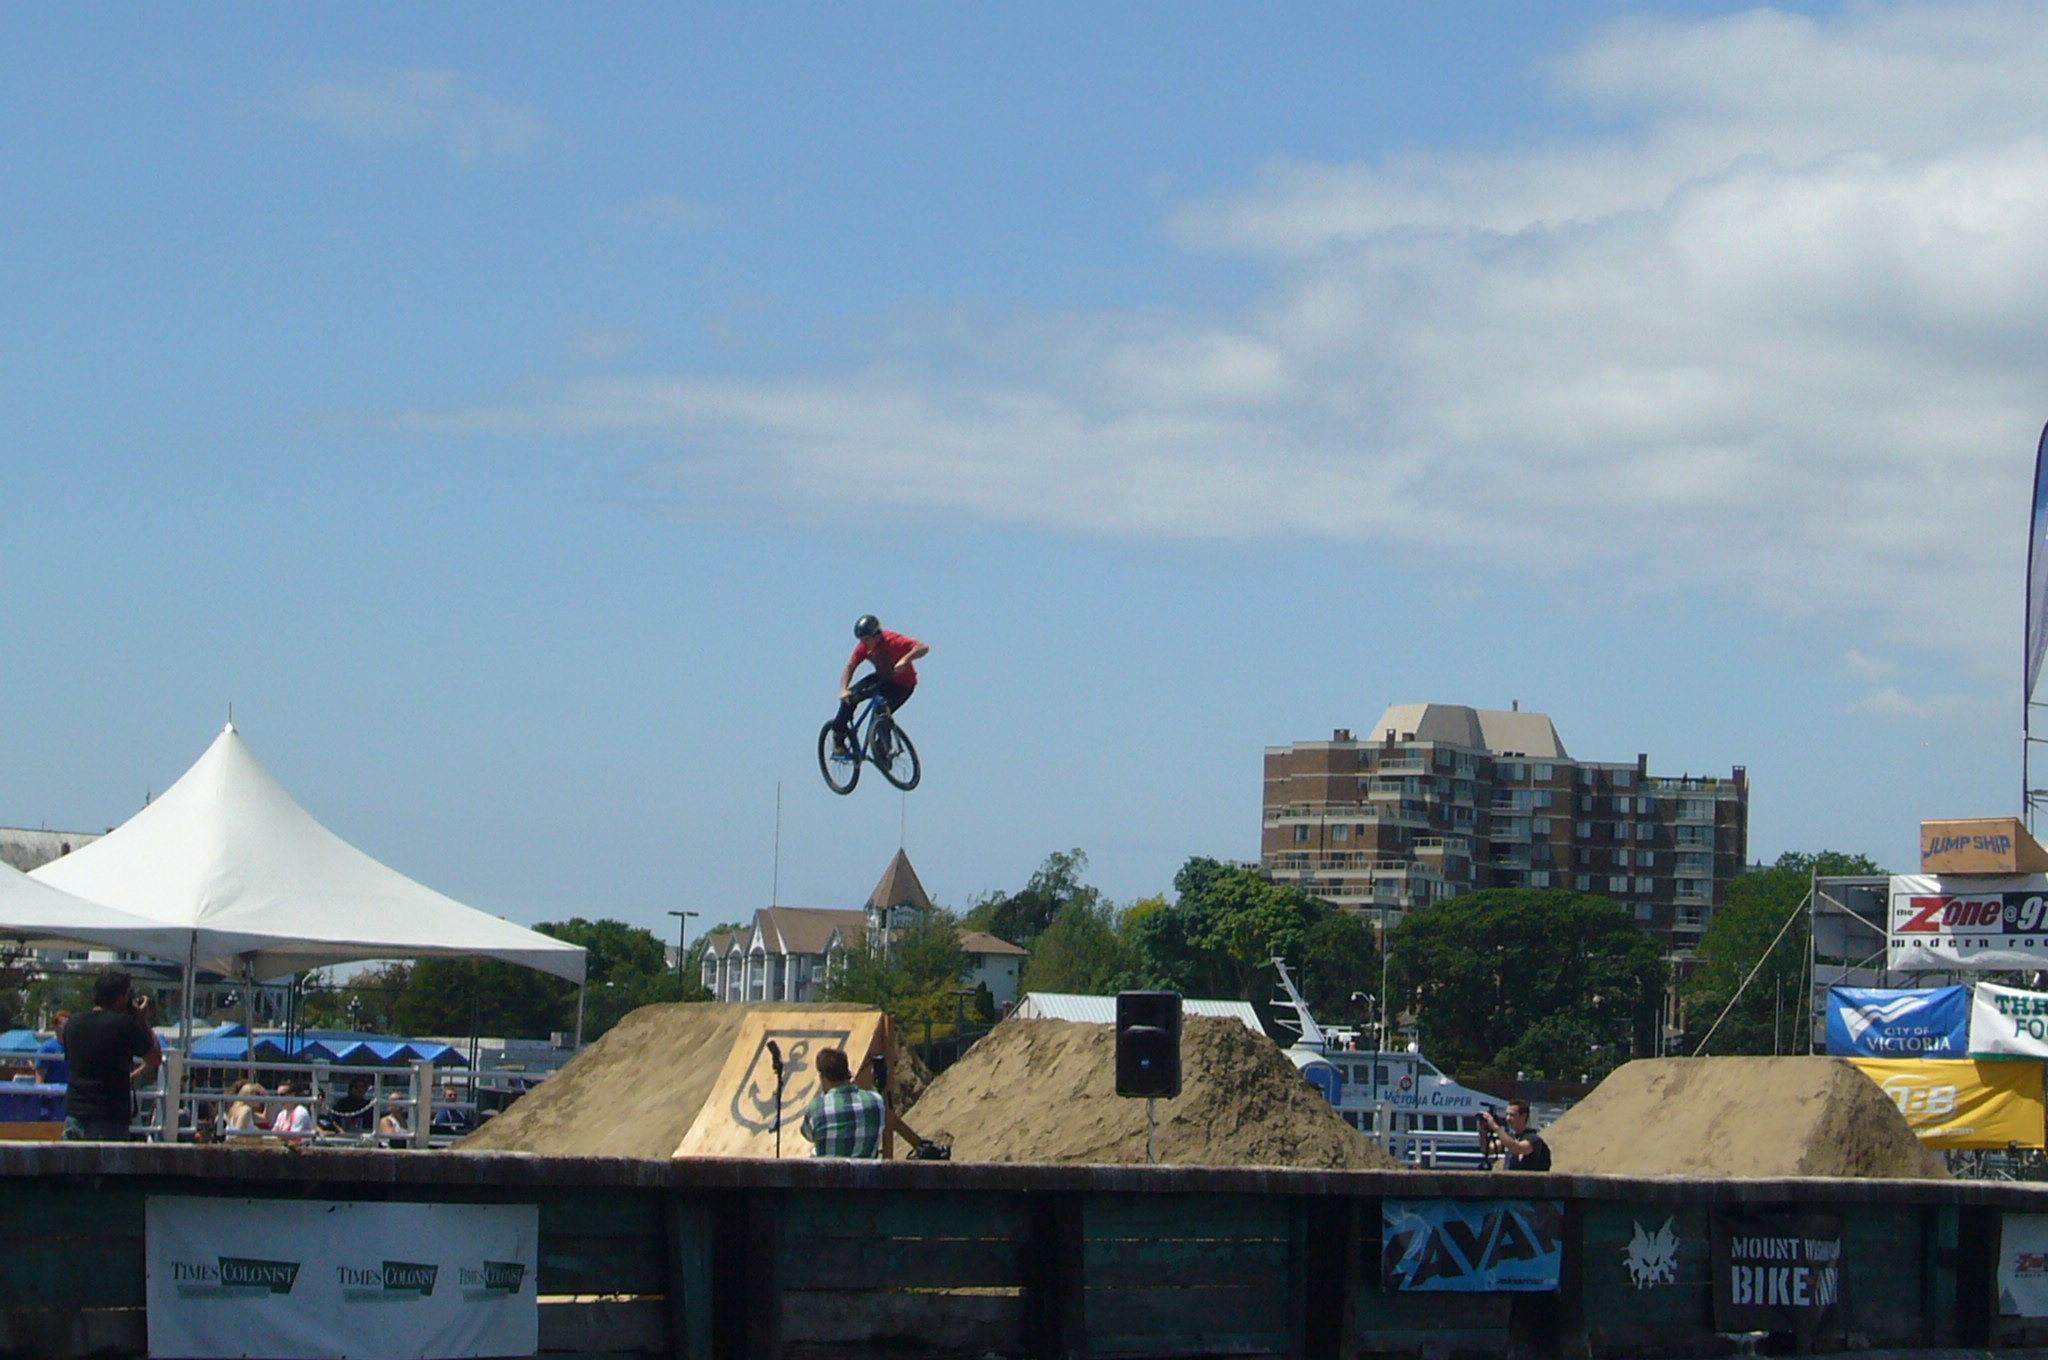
(109, 1048)
(1523, 1147)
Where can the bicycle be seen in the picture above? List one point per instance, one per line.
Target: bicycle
(875, 736)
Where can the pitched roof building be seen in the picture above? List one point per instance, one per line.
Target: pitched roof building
(787, 952)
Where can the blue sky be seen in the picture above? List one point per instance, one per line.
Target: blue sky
(508, 409)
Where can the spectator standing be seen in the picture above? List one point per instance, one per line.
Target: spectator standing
(1523, 1146)
(53, 1070)
(108, 1048)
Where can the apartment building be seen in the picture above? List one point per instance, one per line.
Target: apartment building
(1439, 800)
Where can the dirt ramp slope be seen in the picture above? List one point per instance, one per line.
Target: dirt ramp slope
(636, 1091)
(1740, 1117)
(1045, 1091)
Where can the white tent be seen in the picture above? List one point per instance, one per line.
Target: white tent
(253, 884)
(39, 915)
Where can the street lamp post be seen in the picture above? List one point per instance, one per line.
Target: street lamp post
(682, 943)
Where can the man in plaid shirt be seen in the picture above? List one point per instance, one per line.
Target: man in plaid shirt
(843, 1120)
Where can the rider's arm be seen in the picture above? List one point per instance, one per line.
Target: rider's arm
(917, 653)
(846, 677)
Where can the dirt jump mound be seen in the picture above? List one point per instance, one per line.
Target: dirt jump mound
(1739, 1117)
(1045, 1091)
(637, 1091)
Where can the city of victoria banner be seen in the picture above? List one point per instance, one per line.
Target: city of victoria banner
(1471, 1246)
(1921, 1022)
(318, 1280)
(1979, 922)
(1777, 1272)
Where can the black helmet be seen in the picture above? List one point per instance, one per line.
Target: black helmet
(866, 626)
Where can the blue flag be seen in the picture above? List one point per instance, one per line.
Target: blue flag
(1884, 1022)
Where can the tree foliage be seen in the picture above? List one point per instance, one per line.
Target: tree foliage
(626, 969)
(1225, 926)
(1023, 916)
(912, 973)
(1763, 928)
(1531, 979)
(1082, 952)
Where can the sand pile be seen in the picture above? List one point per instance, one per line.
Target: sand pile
(1739, 1117)
(636, 1091)
(1045, 1091)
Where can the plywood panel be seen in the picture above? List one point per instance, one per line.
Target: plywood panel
(739, 1118)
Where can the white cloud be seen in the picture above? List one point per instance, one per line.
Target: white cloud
(1776, 335)
(439, 108)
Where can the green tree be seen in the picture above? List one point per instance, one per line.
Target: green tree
(625, 970)
(1762, 927)
(1082, 952)
(911, 973)
(1340, 957)
(1533, 979)
(1022, 917)
(1225, 926)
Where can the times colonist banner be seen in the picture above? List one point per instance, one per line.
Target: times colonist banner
(1922, 1022)
(1961, 1103)
(1985, 923)
(300, 1279)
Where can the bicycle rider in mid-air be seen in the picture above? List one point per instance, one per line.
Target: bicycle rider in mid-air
(894, 677)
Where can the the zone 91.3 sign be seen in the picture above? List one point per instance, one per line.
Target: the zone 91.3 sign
(1980, 923)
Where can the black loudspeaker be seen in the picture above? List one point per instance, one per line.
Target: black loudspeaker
(1148, 1044)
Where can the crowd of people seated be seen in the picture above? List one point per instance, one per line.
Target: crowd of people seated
(293, 1113)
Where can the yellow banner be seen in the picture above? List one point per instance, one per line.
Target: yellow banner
(1955, 1103)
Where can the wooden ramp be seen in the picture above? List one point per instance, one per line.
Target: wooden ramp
(740, 1116)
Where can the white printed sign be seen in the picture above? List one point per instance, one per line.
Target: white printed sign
(2023, 1266)
(319, 1280)
(1984, 923)
(2006, 1022)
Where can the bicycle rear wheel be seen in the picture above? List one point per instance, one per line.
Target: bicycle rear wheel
(890, 749)
(841, 772)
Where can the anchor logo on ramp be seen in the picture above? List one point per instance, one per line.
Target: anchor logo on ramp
(753, 1102)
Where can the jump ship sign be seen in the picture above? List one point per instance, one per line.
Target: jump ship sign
(1978, 923)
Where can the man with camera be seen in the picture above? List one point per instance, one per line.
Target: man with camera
(109, 1048)
(845, 1120)
(1523, 1147)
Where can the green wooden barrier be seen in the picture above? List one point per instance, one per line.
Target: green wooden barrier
(738, 1260)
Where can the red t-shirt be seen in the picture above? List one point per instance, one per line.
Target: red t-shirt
(885, 649)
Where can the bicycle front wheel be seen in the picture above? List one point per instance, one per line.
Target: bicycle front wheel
(894, 756)
(841, 771)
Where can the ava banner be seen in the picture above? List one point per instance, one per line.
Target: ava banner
(2023, 1265)
(1471, 1246)
(2006, 1022)
(315, 1280)
(1873, 1022)
(1979, 922)
(1777, 1272)
(1961, 1103)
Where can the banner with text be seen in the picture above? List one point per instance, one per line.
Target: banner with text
(318, 1280)
(1961, 1103)
(2023, 1265)
(1777, 1272)
(1877, 1022)
(2006, 1022)
(1979, 922)
(1471, 1246)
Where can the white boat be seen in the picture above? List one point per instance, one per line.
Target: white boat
(1398, 1099)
